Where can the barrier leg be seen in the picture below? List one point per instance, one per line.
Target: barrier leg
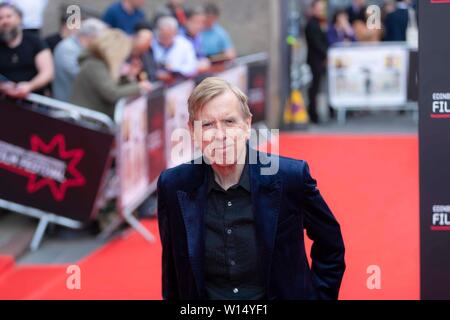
(342, 115)
(39, 233)
(111, 228)
(139, 227)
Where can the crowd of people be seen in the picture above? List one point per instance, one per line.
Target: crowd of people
(349, 25)
(106, 59)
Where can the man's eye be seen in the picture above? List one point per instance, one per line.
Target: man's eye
(206, 125)
(229, 121)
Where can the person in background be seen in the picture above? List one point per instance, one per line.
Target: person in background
(195, 24)
(396, 22)
(341, 30)
(142, 53)
(174, 8)
(389, 6)
(317, 42)
(215, 41)
(365, 34)
(53, 39)
(25, 60)
(33, 14)
(125, 15)
(67, 53)
(98, 85)
(357, 11)
(174, 54)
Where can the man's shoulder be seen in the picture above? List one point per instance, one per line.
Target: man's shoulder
(219, 30)
(33, 40)
(114, 7)
(67, 46)
(286, 165)
(182, 176)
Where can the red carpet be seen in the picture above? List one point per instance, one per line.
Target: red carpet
(125, 268)
(370, 182)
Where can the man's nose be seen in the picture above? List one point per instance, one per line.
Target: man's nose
(220, 133)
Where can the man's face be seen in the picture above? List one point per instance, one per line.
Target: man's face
(210, 20)
(166, 36)
(318, 9)
(359, 3)
(9, 20)
(342, 19)
(137, 3)
(142, 42)
(224, 130)
(196, 24)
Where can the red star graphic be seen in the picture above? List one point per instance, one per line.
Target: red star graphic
(73, 157)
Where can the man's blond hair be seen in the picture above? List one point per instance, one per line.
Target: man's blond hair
(211, 88)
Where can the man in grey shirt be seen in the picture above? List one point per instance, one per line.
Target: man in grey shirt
(66, 57)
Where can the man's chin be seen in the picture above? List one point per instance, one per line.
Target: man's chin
(221, 162)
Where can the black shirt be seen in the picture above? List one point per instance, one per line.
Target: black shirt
(317, 42)
(18, 64)
(232, 263)
(53, 40)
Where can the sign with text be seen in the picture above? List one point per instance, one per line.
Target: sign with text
(50, 164)
(368, 76)
(434, 141)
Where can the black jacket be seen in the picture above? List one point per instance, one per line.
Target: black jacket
(284, 204)
(316, 39)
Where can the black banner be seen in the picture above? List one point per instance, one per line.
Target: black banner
(50, 164)
(434, 139)
(257, 90)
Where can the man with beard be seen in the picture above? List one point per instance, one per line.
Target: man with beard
(26, 63)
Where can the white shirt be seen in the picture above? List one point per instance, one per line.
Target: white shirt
(180, 57)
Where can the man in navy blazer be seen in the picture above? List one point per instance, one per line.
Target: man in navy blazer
(231, 222)
(396, 22)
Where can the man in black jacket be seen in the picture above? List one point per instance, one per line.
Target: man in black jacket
(232, 221)
(316, 40)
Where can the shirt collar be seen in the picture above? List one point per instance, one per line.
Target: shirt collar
(244, 180)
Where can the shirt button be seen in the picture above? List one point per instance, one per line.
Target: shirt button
(229, 203)
(233, 263)
(235, 290)
(229, 231)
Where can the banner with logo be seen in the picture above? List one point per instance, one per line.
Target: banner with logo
(368, 76)
(50, 164)
(434, 141)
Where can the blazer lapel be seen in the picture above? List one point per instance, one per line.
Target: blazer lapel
(193, 206)
(266, 200)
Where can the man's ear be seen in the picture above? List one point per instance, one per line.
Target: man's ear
(248, 121)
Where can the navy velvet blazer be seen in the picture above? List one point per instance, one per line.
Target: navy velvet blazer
(284, 204)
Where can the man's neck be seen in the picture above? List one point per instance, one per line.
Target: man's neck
(402, 5)
(16, 41)
(228, 176)
(127, 6)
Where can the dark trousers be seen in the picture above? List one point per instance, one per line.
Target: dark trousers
(313, 91)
